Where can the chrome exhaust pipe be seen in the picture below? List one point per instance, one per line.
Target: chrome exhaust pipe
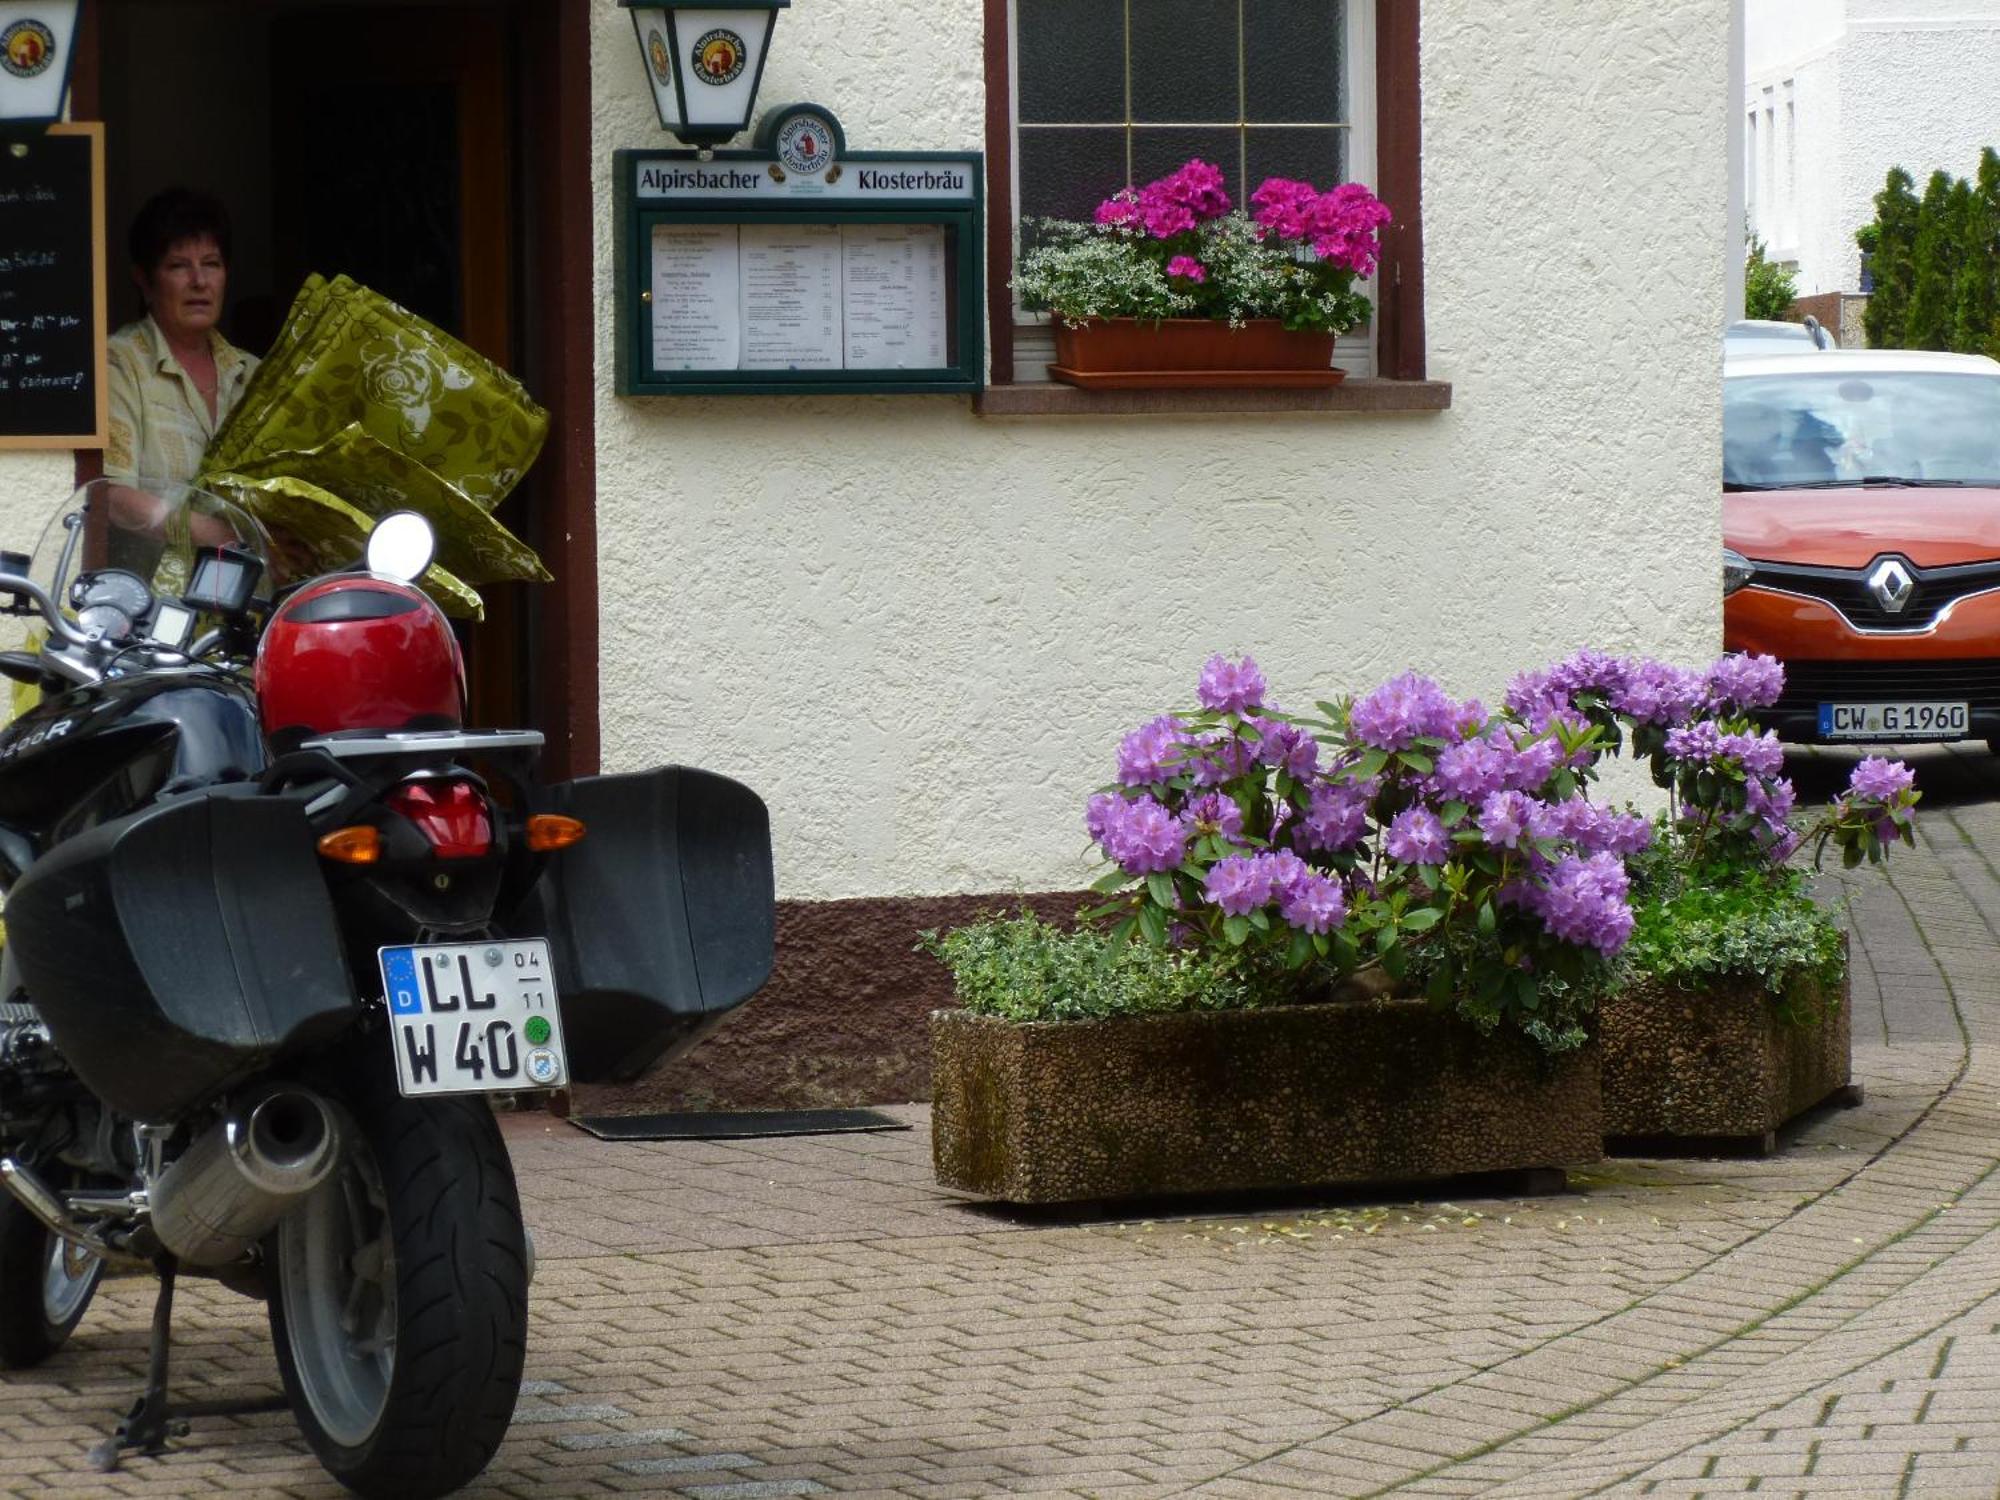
(229, 1189)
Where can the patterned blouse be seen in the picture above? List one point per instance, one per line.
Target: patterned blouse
(159, 424)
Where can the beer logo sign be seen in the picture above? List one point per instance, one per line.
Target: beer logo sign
(662, 59)
(805, 145)
(718, 56)
(27, 48)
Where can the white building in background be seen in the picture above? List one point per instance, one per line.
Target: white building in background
(1837, 92)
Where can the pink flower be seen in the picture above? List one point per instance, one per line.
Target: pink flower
(1176, 203)
(1344, 224)
(1284, 207)
(1187, 266)
(1120, 210)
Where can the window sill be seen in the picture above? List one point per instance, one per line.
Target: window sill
(1057, 400)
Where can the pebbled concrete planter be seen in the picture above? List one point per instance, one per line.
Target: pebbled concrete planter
(1385, 1090)
(1716, 1062)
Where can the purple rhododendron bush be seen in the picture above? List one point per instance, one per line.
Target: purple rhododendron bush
(1458, 849)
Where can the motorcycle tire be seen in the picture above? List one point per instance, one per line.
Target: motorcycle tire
(45, 1287)
(399, 1304)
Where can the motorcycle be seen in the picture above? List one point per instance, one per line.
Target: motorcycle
(276, 921)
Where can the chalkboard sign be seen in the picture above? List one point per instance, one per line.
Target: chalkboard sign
(52, 291)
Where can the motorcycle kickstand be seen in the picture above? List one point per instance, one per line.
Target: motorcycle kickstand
(153, 1418)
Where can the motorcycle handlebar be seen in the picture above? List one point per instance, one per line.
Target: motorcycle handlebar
(21, 587)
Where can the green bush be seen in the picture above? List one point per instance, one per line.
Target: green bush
(1024, 969)
(1699, 927)
(1769, 289)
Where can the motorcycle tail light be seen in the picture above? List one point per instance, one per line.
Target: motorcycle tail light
(451, 815)
(551, 831)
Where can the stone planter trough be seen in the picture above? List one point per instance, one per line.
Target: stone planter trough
(1300, 1096)
(1718, 1062)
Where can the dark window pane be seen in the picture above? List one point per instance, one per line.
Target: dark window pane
(1315, 156)
(1158, 150)
(1070, 57)
(1065, 174)
(1293, 64)
(1184, 60)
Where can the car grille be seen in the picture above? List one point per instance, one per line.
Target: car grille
(1811, 683)
(1847, 590)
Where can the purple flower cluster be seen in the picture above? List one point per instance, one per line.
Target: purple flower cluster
(1403, 710)
(1585, 900)
(1336, 818)
(1704, 743)
(1231, 687)
(1152, 752)
(1658, 694)
(1342, 226)
(1306, 899)
(1188, 269)
(1881, 780)
(1417, 836)
(1171, 205)
(1740, 683)
(1288, 748)
(1140, 834)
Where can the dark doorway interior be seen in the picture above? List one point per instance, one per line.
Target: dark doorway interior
(380, 141)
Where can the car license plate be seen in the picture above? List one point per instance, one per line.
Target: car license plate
(474, 1018)
(1889, 721)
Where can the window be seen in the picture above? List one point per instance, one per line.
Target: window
(1088, 95)
(1115, 91)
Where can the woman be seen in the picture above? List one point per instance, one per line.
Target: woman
(173, 377)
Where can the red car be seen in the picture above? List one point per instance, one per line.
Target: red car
(1861, 531)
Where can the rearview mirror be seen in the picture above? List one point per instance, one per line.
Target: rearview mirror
(401, 546)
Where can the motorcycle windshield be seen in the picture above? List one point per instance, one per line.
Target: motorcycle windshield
(150, 528)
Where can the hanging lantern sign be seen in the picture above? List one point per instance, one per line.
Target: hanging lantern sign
(704, 64)
(37, 45)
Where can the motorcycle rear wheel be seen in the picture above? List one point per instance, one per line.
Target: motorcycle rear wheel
(45, 1287)
(400, 1301)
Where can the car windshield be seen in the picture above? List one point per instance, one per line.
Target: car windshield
(1837, 428)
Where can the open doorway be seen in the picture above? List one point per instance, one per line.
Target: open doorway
(388, 142)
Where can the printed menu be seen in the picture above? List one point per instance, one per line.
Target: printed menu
(799, 297)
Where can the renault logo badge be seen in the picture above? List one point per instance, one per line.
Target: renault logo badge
(1891, 584)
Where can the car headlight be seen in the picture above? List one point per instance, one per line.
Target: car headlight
(1737, 570)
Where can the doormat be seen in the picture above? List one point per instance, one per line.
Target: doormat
(735, 1125)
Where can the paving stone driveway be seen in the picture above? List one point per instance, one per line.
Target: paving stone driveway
(812, 1316)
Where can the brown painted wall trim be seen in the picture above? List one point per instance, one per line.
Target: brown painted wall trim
(999, 194)
(843, 1020)
(1399, 163)
(568, 636)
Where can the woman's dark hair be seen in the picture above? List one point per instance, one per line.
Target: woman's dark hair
(172, 216)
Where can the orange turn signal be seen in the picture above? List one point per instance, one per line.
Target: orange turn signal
(359, 845)
(550, 831)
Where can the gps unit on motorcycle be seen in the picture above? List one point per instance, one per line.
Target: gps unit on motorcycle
(225, 580)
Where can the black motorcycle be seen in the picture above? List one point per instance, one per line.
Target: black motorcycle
(275, 921)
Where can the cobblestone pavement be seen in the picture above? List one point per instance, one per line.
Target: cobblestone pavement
(772, 1318)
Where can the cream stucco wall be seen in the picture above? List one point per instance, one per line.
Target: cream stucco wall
(919, 633)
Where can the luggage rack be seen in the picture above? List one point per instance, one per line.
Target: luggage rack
(426, 742)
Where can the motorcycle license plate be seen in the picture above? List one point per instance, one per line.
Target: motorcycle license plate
(1889, 721)
(474, 1018)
